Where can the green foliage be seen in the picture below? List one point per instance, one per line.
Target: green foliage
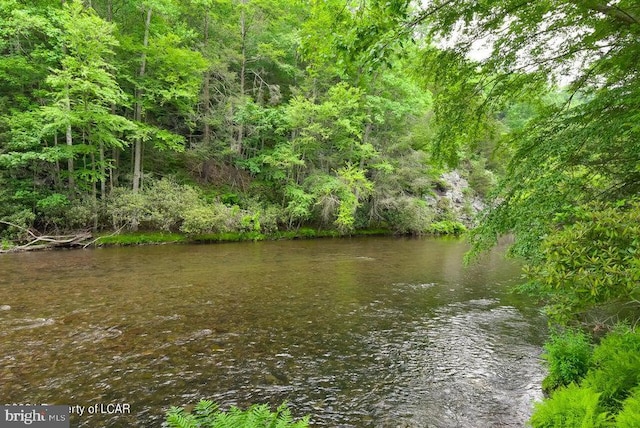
(355, 187)
(20, 221)
(53, 208)
(124, 207)
(629, 416)
(566, 148)
(480, 179)
(568, 357)
(616, 367)
(273, 103)
(269, 218)
(6, 244)
(139, 238)
(161, 205)
(299, 204)
(230, 198)
(212, 218)
(206, 414)
(228, 237)
(81, 213)
(167, 202)
(592, 384)
(569, 407)
(446, 227)
(406, 214)
(591, 259)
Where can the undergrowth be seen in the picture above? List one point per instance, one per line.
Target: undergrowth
(207, 414)
(591, 389)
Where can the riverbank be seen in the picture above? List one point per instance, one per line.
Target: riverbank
(86, 240)
(146, 238)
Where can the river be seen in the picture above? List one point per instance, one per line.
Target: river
(361, 332)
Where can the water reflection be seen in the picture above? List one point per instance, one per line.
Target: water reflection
(369, 332)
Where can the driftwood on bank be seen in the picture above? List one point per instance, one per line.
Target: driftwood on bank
(43, 242)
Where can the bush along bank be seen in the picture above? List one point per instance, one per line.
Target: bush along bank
(165, 211)
(589, 385)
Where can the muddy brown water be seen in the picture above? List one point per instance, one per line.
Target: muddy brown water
(363, 332)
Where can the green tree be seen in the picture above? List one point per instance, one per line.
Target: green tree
(583, 148)
(164, 94)
(83, 91)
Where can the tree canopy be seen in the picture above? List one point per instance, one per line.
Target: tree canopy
(577, 152)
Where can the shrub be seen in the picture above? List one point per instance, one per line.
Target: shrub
(616, 367)
(124, 207)
(480, 179)
(629, 416)
(591, 261)
(21, 221)
(568, 356)
(161, 205)
(80, 214)
(206, 414)
(230, 198)
(445, 210)
(407, 214)
(270, 217)
(447, 227)
(569, 407)
(611, 384)
(250, 222)
(166, 202)
(205, 219)
(52, 209)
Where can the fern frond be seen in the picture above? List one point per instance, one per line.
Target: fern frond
(204, 412)
(177, 418)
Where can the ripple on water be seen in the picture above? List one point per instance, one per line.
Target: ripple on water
(352, 341)
(30, 323)
(466, 375)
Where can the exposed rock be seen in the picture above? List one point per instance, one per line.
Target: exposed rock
(459, 197)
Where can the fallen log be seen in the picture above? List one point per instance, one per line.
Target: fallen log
(44, 242)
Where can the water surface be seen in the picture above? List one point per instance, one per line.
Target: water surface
(366, 332)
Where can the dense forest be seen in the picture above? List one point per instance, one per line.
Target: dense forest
(209, 116)
(214, 116)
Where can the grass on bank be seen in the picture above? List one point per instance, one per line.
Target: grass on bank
(139, 238)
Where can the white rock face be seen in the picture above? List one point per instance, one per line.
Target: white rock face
(463, 200)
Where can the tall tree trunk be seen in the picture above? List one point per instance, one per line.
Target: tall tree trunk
(206, 90)
(243, 70)
(69, 135)
(94, 193)
(69, 138)
(113, 169)
(56, 179)
(137, 156)
(103, 173)
(114, 164)
(109, 10)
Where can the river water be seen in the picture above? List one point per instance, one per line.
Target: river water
(363, 332)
